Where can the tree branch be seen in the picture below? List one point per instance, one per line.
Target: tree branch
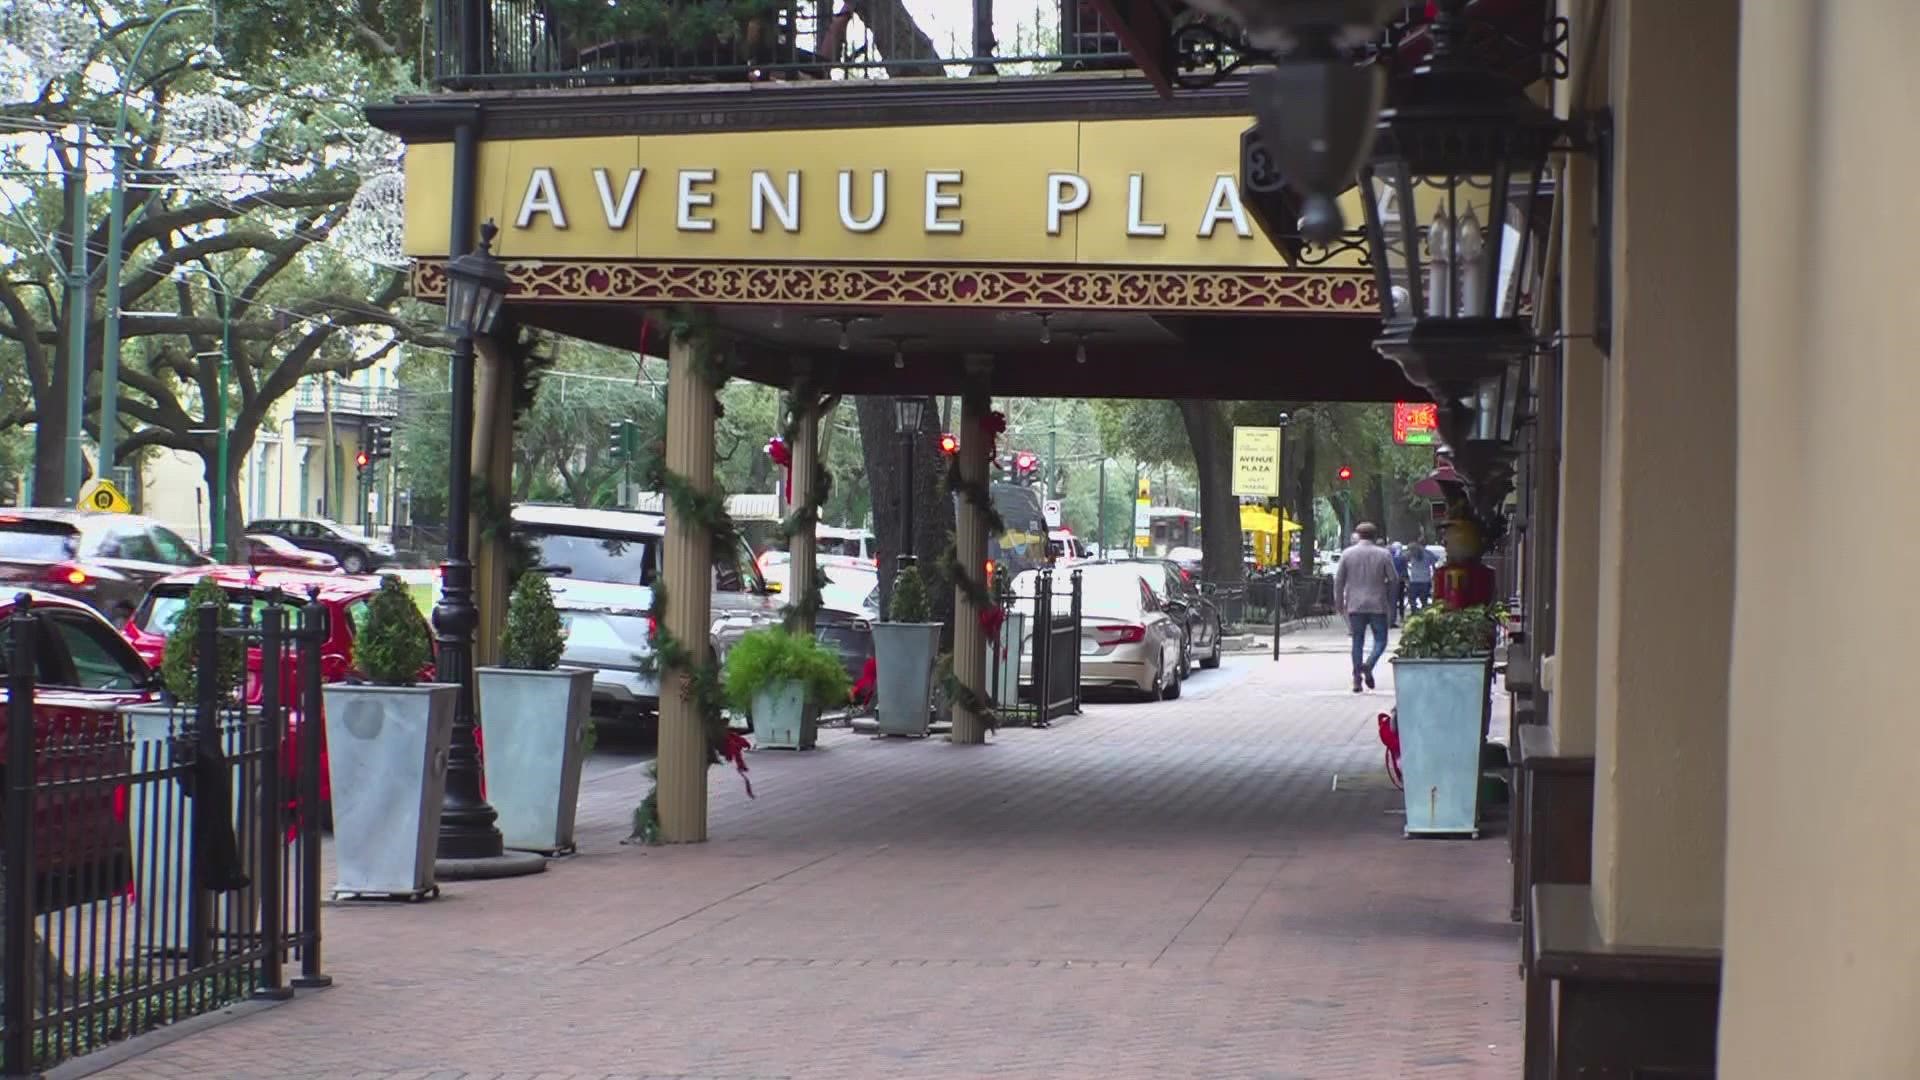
(29, 337)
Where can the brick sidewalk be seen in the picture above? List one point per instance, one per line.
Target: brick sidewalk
(1143, 891)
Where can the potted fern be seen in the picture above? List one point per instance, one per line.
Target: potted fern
(387, 739)
(534, 715)
(904, 647)
(783, 680)
(1441, 675)
(160, 804)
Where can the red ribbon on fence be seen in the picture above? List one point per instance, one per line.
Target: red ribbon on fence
(782, 455)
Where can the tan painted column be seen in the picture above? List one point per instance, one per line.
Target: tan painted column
(1581, 394)
(493, 463)
(689, 579)
(1822, 969)
(1667, 476)
(970, 546)
(803, 546)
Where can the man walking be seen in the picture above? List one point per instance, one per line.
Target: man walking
(1420, 564)
(1399, 581)
(1363, 588)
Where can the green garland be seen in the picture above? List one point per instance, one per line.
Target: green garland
(804, 402)
(706, 510)
(980, 497)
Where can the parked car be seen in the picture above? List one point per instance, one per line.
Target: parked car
(265, 549)
(1127, 637)
(344, 597)
(1192, 608)
(356, 552)
(1190, 559)
(106, 561)
(602, 565)
(1066, 548)
(84, 672)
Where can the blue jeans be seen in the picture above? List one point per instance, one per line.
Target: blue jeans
(1357, 624)
(1419, 595)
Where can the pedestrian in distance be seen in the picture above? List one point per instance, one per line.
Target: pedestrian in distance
(1420, 563)
(1400, 581)
(1363, 589)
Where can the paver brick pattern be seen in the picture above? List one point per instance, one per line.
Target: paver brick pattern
(1177, 889)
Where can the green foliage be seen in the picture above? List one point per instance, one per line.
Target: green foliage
(910, 603)
(773, 655)
(180, 664)
(534, 637)
(393, 645)
(1439, 633)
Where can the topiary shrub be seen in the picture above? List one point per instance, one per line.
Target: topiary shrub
(393, 644)
(909, 603)
(535, 637)
(180, 664)
(766, 657)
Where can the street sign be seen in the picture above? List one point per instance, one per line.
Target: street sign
(1050, 510)
(1256, 461)
(1415, 423)
(100, 494)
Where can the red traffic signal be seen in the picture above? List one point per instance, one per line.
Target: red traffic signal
(362, 459)
(949, 443)
(1024, 461)
(1346, 473)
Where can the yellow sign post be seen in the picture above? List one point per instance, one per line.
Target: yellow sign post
(1142, 516)
(100, 494)
(1256, 462)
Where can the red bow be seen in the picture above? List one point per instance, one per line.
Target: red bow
(991, 619)
(782, 456)
(735, 749)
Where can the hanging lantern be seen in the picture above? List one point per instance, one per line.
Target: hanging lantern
(1454, 195)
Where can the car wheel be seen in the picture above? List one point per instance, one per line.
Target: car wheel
(1156, 689)
(354, 563)
(1171, 691)
(1212, 659)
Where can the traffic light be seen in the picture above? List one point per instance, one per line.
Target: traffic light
(949, 443)
(362, 461)
(380, 442)
(618, 440)
(1025, 462)
(1345, 473)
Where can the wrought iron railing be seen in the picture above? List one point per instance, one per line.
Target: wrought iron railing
(556, 43)
(1033, 669)
(348, 400)
(157, 866)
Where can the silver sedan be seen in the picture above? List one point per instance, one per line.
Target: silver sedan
(1127, 640)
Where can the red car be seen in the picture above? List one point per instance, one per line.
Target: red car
(344, 596)
(85, 673)
(264, 550)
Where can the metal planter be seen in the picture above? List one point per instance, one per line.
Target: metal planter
(387, 752)
(1441, 704)
(534, 729)
(783, 719)
(903, 657)
(159, 806)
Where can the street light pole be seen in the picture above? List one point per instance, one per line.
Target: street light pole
(116, 230)
(907, 412)
(78, 311)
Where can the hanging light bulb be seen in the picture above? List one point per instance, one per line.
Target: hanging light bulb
(1440, 267)
(1080, 351)
(1046, 329)
(845, 341)
(899, 358)
(779, 318)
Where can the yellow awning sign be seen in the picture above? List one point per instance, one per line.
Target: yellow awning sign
(100, 494)
(1256, 461)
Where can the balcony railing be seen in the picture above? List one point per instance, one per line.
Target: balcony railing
(348, 400)
(564, 43)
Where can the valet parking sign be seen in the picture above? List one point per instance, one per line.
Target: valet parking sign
(1256, 461)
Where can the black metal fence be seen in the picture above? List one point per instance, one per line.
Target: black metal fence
(160, 861)
(1033, 671)
(527, 43)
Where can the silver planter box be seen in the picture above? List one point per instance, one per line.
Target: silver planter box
(783, 719)
(533, 726)
(903, 657)
(1440, 704)
(160, 823)
(387, 752)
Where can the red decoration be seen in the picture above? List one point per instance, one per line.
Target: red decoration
(1463, 585)
(782, 456)
(1390, 738)
(735, 749)
(991, 619)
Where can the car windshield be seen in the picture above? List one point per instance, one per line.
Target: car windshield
(591, 556)
(36, 541)
(164, 605)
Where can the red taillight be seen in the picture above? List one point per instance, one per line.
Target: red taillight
(67, 574)
(1184, 575)
(1121, 635)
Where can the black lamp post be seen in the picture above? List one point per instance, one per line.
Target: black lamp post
(476, 284)
(907, 412)
(1453, 194)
